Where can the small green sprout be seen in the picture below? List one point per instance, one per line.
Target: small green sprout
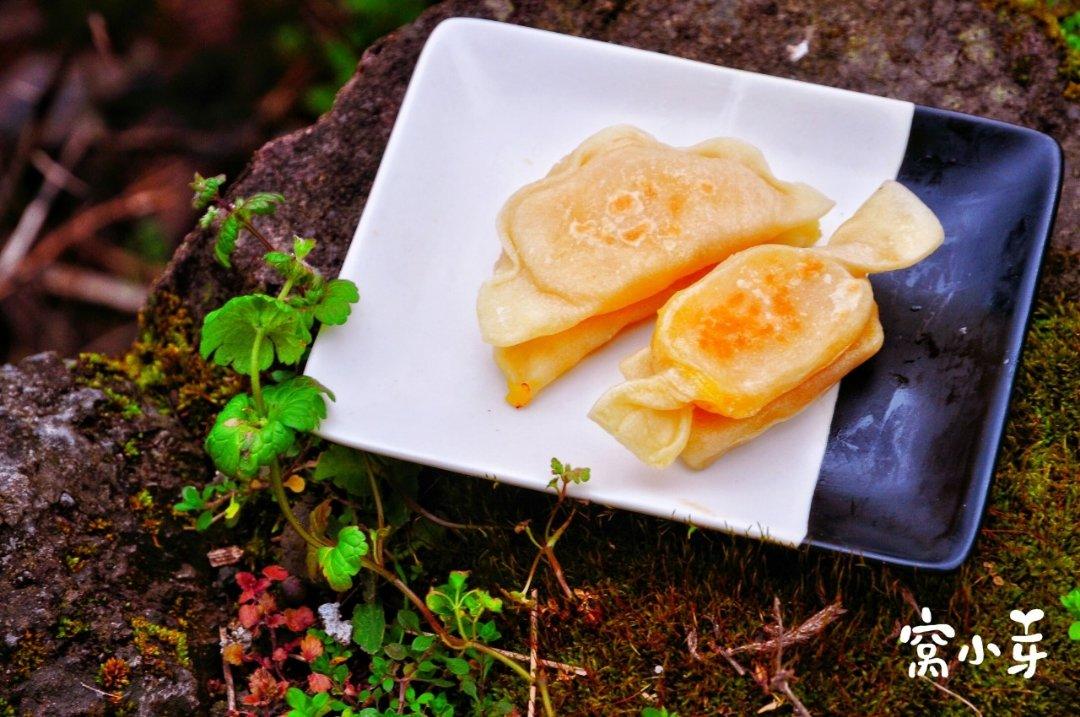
(230, 217)
(462, 608)
(1071, 601)
(563, 476)
(657, 712)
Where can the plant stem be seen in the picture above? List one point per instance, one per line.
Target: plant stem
(521, 671)
(532, 572)
(278, 489)
(284, 293)
(256, 386)
(429, 617)
(381, 520)
(437, 627)
(556, 567)
(549, 709)
(258, 235)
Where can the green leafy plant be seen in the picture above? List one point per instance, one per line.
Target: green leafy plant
(409, 670)
(256, 430)
(1071, 601)
(259, 441)
(657, 712)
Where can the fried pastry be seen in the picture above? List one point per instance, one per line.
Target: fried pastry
(608, 235)
(762, 335)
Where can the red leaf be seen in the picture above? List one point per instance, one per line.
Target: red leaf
(246, 581)
(267, 602)
(299, 619)
(264, 688)
(318, 683)
(250, 615)
(310, 648)
(275, 572)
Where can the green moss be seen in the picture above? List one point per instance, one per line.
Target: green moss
(131, 448)
(149, 638)
(1061, 21)
(30, 653)
(143, 500)
(649, 583)
(162, 368)
(70, 627)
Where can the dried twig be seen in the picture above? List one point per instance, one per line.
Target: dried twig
(31, 129)
(112, 696)
(803, 633)
(560, 666)
(99, 33)
(551, 664)
(692, 644)
(57, 173)
(778, 680)
(73, 282)
(230, 688)
(101, 254)
(79, 228)
(20, 156)
(781, 677)
(533, 639)
(33, 217)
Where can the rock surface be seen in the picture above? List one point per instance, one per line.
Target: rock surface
(79, 558)
(81, 555)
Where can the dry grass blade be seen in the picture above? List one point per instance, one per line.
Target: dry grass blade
(947, 691)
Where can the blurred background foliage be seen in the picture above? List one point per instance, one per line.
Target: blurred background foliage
(108, 107)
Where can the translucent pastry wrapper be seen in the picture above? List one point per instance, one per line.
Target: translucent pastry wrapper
(598, 243)
(763, 334)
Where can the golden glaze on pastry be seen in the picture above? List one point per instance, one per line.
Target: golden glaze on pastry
(611, 228)
(760, 336)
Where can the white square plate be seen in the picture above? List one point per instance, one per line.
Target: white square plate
(490, 108)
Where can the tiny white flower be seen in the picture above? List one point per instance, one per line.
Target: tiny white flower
(340, 630)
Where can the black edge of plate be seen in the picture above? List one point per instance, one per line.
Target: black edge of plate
(917, 429)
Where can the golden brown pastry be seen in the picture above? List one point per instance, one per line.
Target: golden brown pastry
(606, 236)
(762, 335)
